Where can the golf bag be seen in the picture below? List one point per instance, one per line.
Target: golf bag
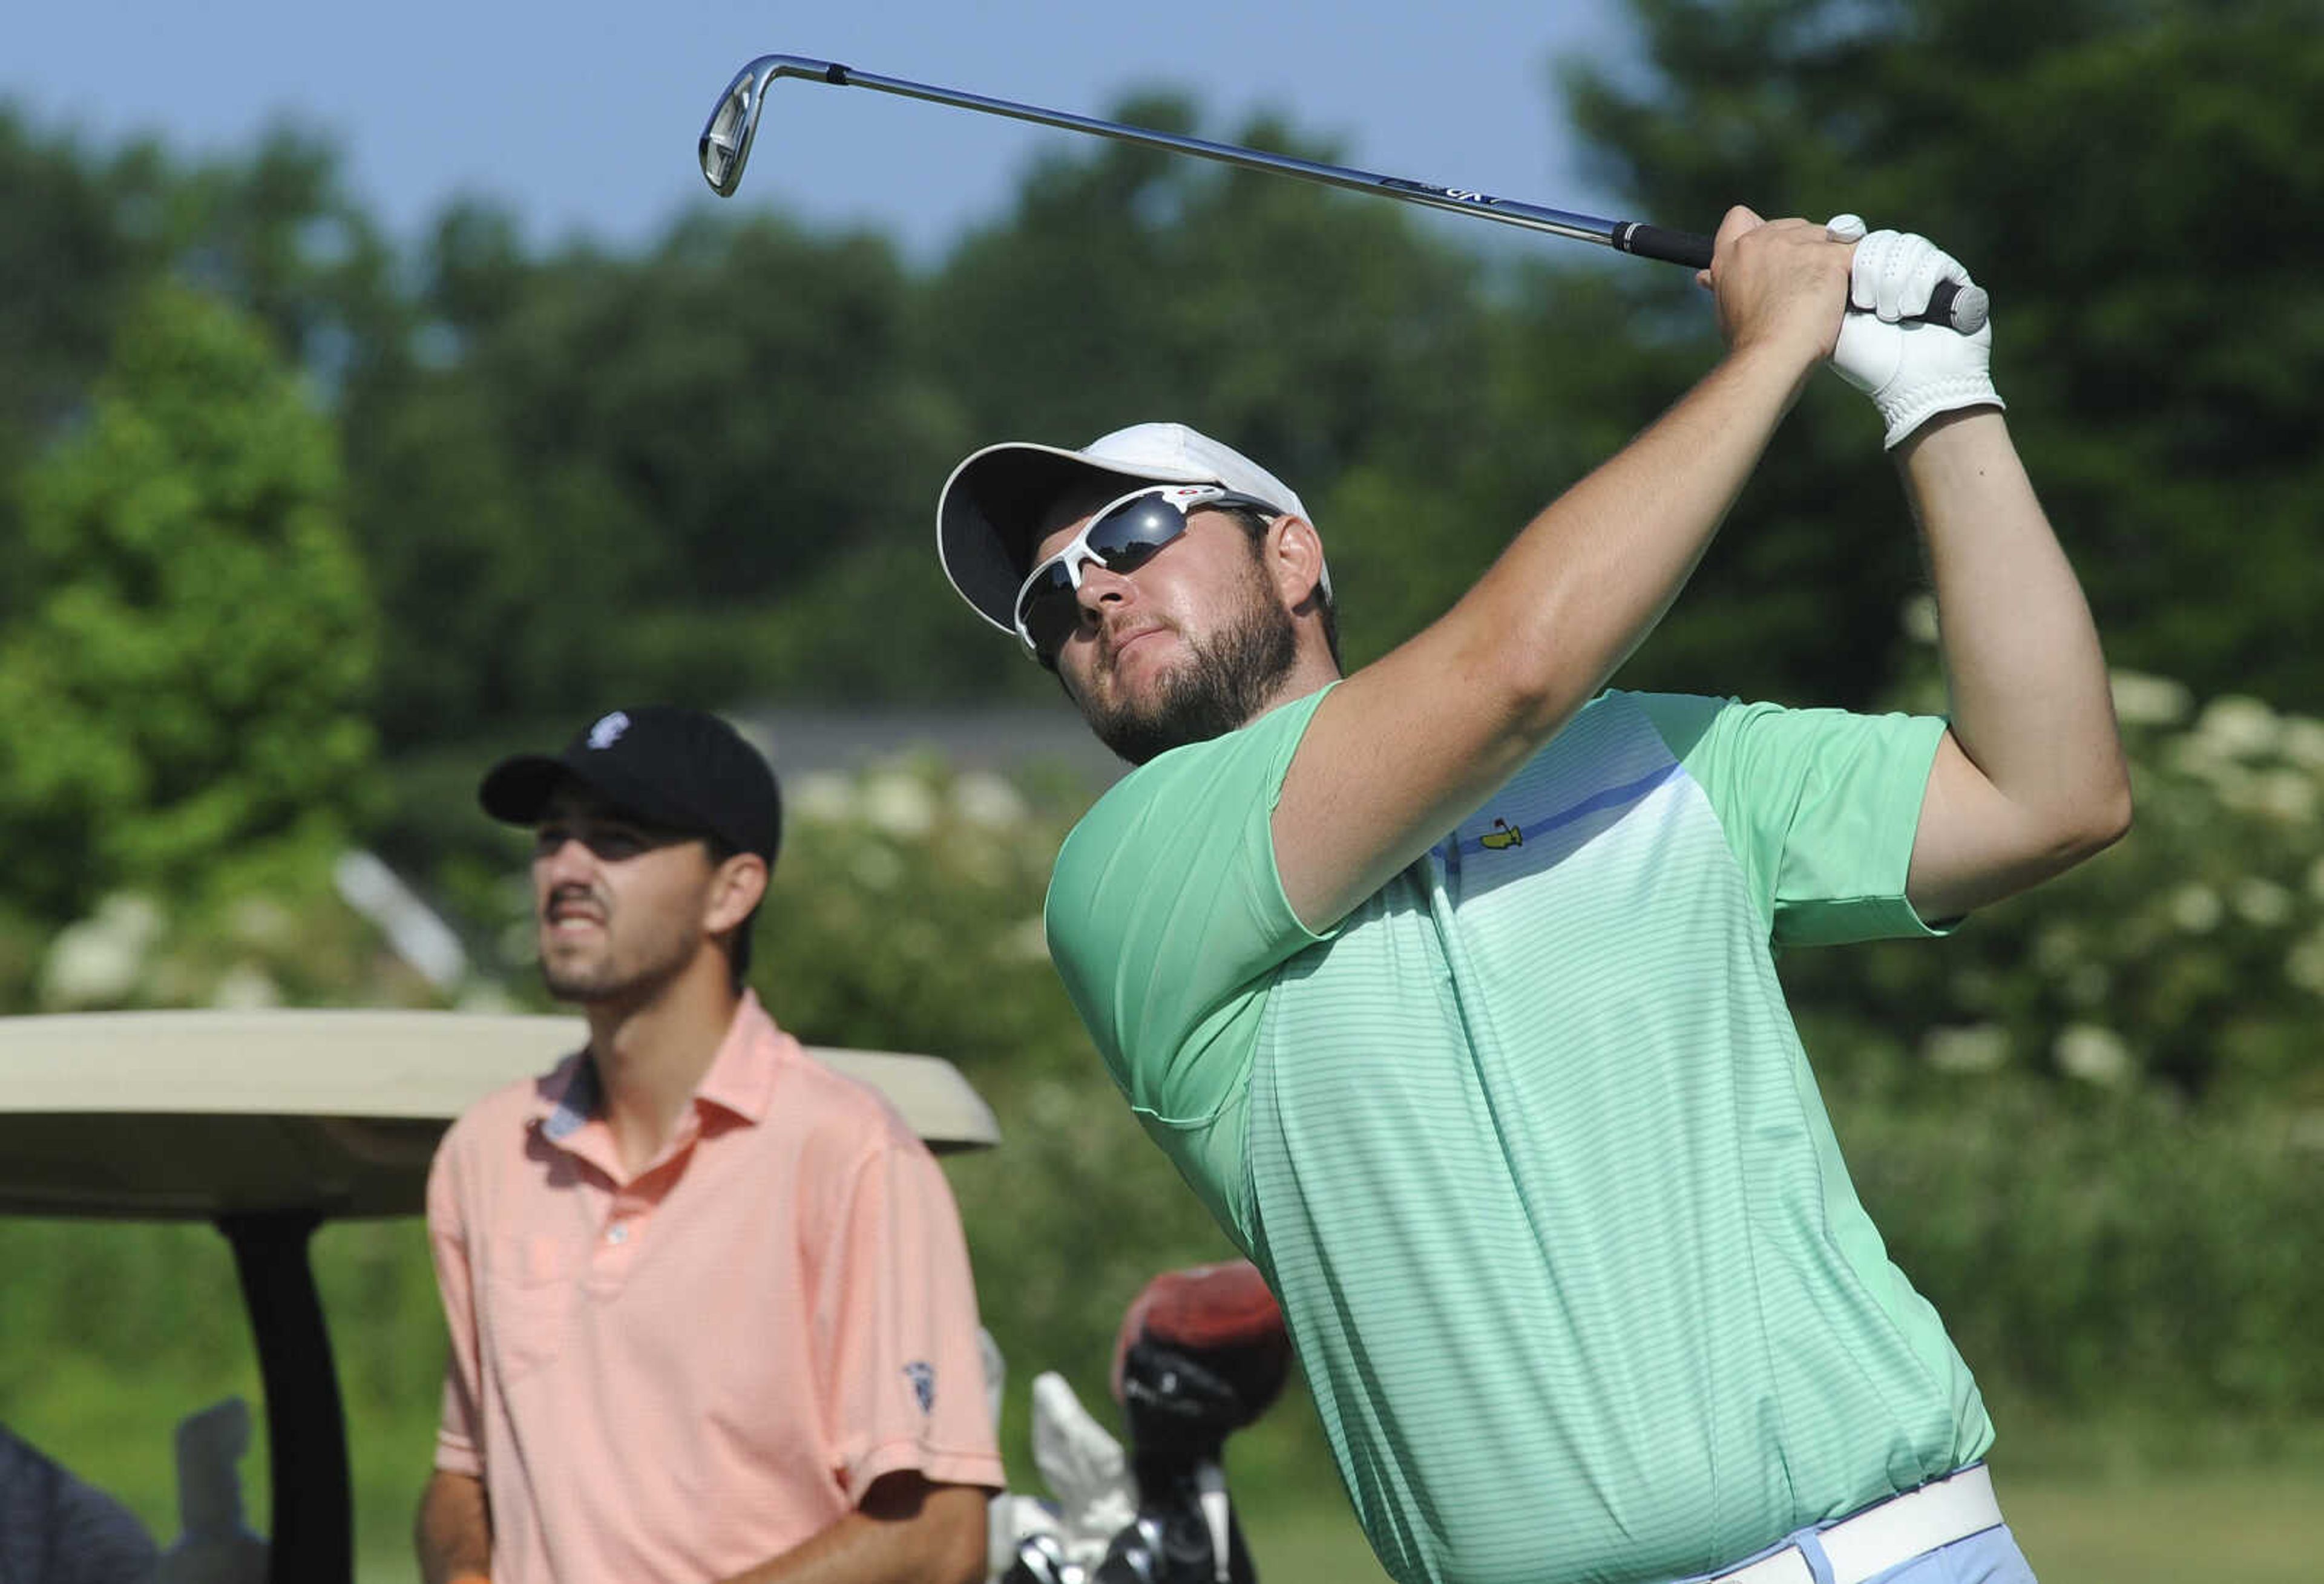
(1201, 1353)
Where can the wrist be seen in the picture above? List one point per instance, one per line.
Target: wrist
(1914, 412)
(1773, 362)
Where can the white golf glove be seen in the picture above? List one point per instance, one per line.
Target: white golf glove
(1911, 370)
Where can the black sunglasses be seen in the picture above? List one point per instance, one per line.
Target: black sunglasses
(1121, 538)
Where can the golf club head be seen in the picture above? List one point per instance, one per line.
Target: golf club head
(726, 137)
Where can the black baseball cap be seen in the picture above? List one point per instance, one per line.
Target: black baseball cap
(681, 769)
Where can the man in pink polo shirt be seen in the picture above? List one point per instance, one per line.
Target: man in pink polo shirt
(710, 1309)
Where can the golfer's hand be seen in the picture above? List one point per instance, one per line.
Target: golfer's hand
(1911, 370)
(1778, 284)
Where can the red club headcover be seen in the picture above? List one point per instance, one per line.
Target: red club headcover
(1221, 1316)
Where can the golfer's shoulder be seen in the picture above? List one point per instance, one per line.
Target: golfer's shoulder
(842, 1114)
(1196, 796)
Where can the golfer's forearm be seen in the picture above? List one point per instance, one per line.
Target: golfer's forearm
(2024, 674)
(1587, 579)
(453, 1533)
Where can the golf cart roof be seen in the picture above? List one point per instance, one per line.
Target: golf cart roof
(167, 1115)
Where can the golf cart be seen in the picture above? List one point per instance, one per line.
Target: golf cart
(267, 1124)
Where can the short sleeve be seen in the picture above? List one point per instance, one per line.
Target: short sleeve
(903, 1376)
(1167, 912)
(1820, 807)
(459, 1440)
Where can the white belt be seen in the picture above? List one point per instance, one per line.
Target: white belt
(1880, 1537)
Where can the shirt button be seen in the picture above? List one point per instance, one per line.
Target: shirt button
(617, 1233)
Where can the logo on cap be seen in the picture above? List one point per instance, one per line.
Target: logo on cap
(608, 729)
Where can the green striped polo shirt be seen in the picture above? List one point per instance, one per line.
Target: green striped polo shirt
(1527, 1144)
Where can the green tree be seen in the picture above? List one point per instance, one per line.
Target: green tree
(603, 471)
(2131, 179)
(186, 686)
(66, 257)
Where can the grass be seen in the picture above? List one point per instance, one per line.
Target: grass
(2131, 1498)
(2262, 1526)
(2219, 1527)
(2214, 1526)
(2089, 1505)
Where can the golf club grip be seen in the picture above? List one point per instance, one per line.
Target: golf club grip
(1693, 249)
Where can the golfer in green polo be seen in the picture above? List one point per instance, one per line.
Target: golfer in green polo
(1449, 987)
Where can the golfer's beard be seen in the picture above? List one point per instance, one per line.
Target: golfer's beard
(1224, 685)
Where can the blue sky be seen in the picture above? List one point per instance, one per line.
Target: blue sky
(583, 116)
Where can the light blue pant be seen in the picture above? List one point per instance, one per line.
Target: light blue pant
(1989, 1557)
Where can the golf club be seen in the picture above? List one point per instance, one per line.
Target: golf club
(726, 139)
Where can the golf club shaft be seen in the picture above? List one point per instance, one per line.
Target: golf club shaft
(727, 140)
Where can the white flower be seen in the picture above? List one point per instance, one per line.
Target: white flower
(2195, 755)
(483, 995)
(979, 797)
(898, 804)
(246, 987)
(2236, 725)
(2303, 965)
(2303, 741)
(2261, 902)
(262, 922)
(2141, 700)
(2092, 1053)
(821, 797)
(100, 959)
(2287, 795)
(2195, 907)
(1978, 1047)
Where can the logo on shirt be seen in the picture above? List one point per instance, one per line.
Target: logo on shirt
(923, 1376)
(1502, 836)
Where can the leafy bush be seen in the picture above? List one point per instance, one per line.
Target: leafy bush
(2192, 955)
(2097, 1238)
(2094, 1251)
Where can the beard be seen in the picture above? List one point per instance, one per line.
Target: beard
(1224, 684)
(632, 969)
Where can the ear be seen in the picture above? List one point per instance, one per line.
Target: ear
(1295, 558)
(735, 888)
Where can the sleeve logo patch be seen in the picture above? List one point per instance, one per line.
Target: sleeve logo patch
(923, 1376)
